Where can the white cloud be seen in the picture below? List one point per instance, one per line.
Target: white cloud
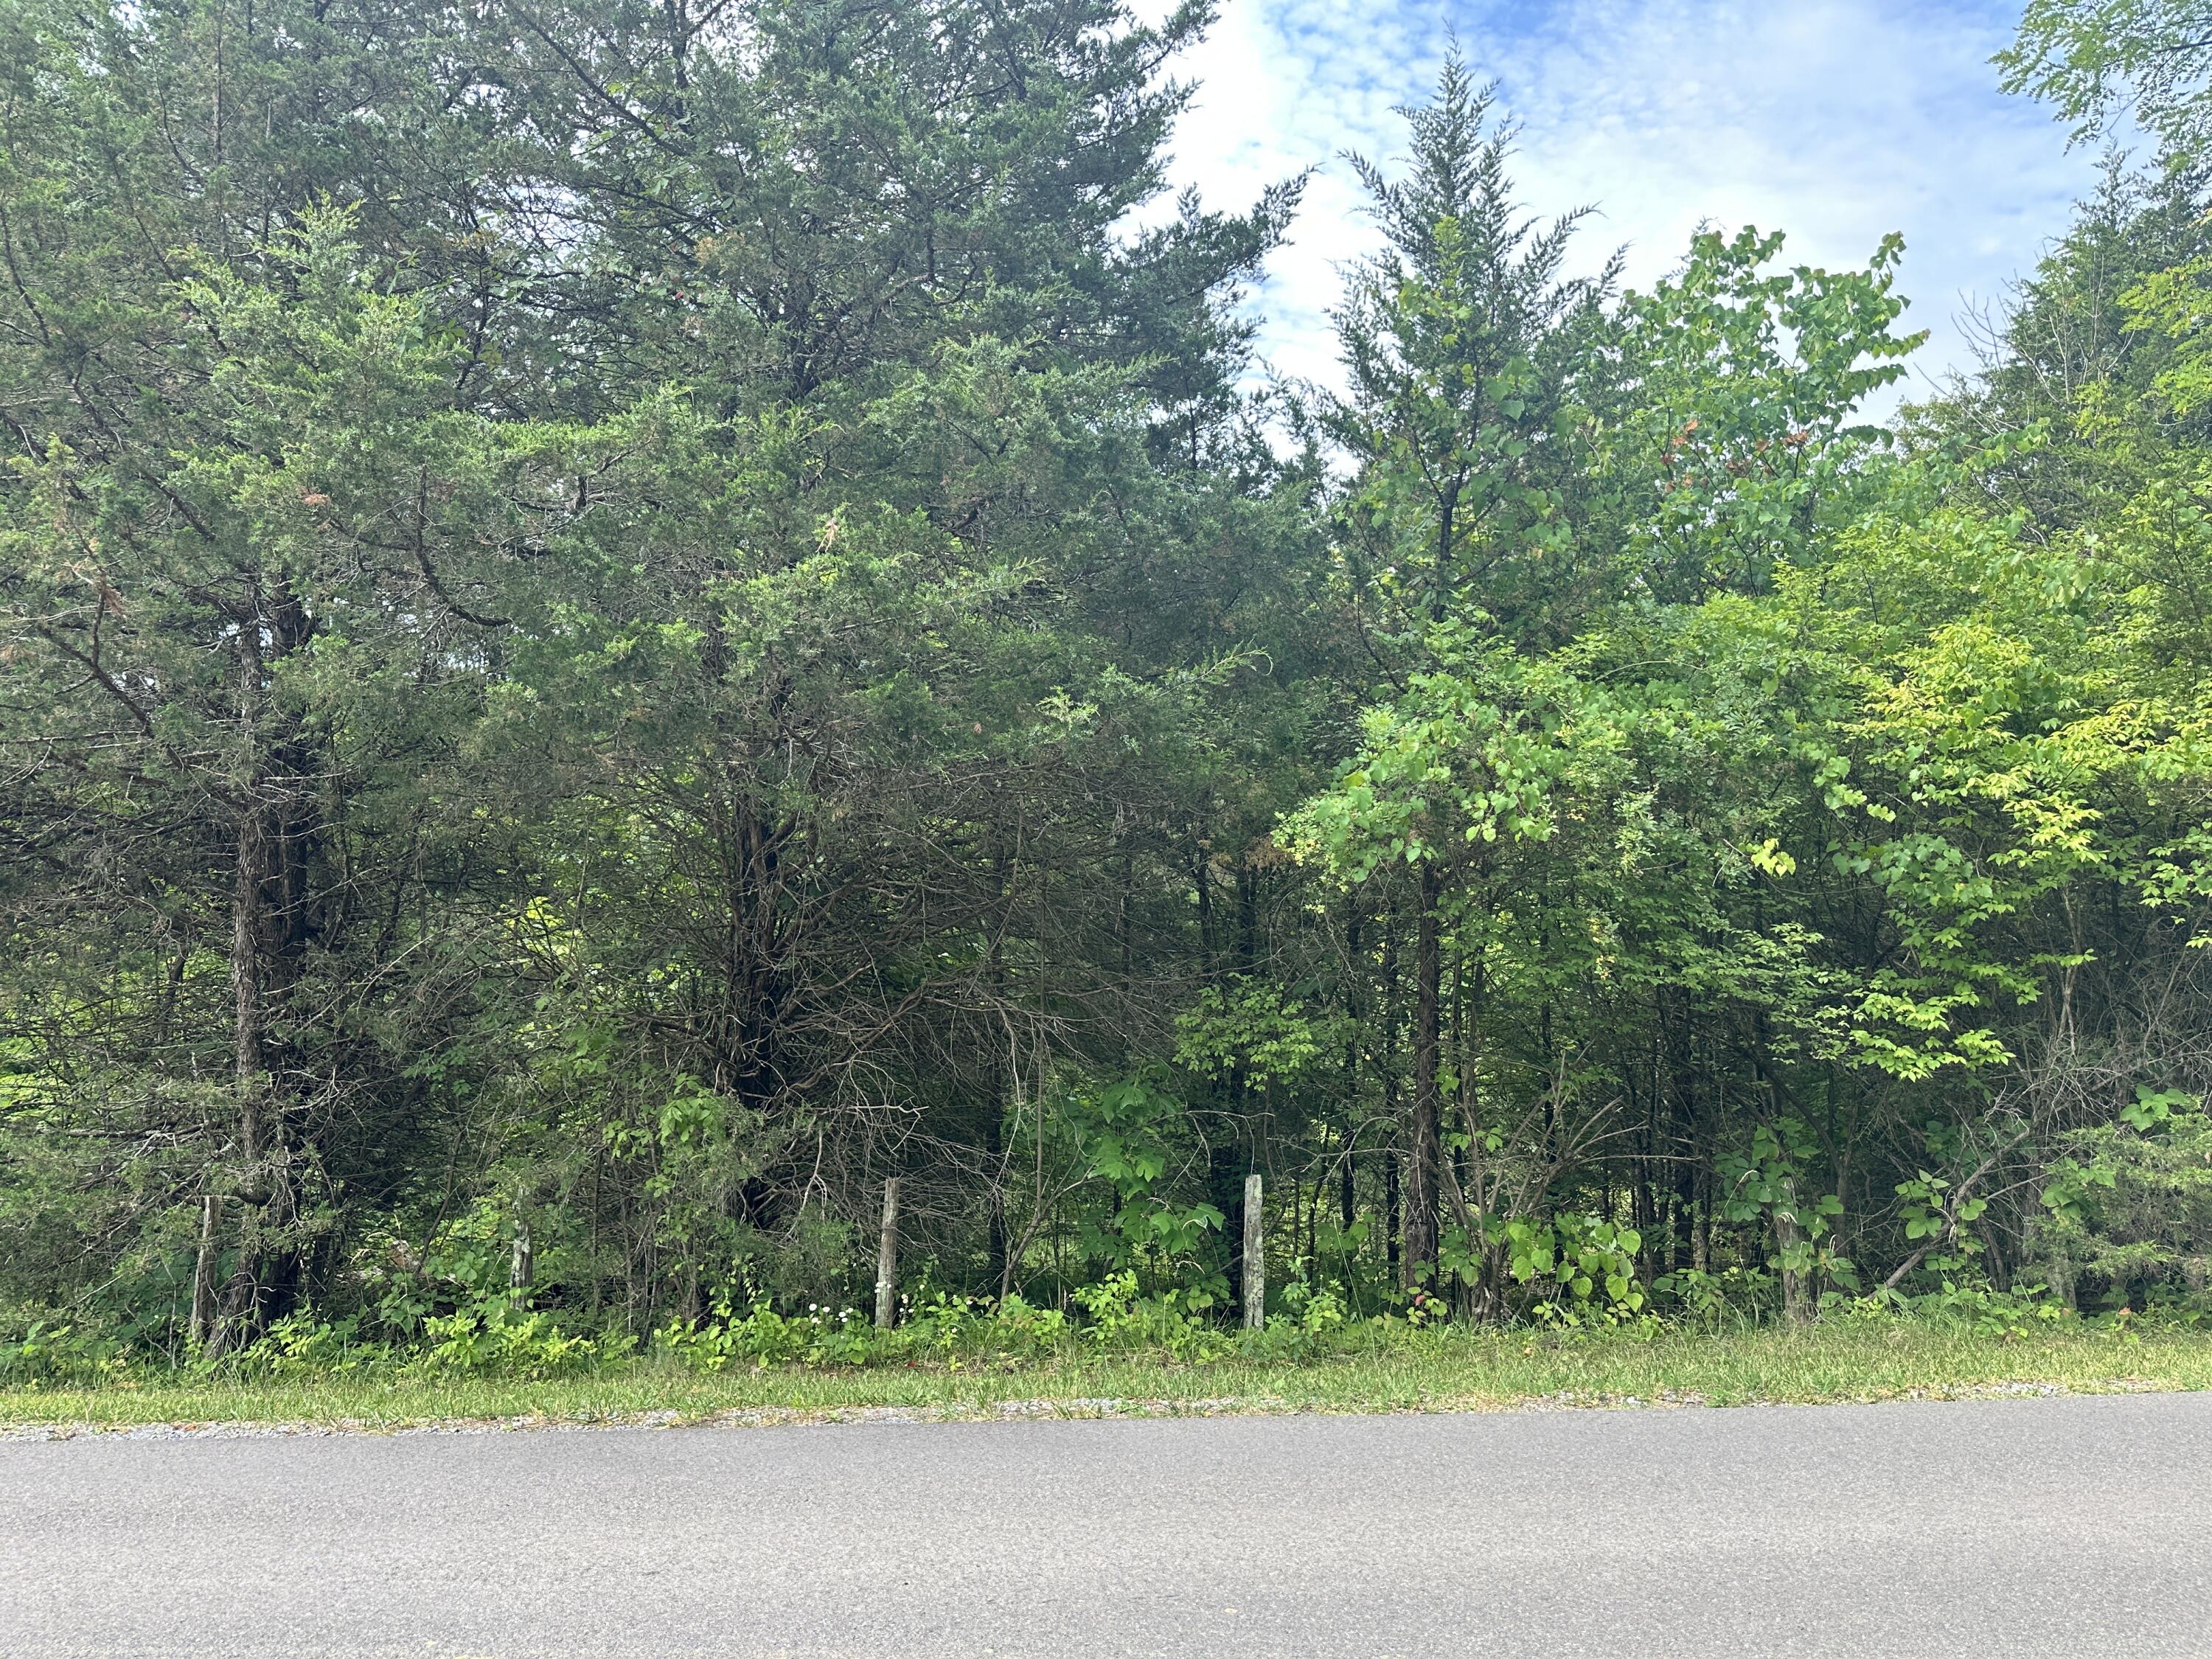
(1834, 120)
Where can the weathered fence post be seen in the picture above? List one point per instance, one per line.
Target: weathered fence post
(887, 1260)
(1255, 1257)
(522, 1259)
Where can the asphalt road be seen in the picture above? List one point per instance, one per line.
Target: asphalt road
(2000, 1528)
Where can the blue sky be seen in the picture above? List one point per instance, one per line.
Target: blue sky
(1833, 120)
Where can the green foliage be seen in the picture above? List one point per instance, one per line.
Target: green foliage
(636, 628)
(1141, 1226)
(1770, 1185)
(38, 1349)
(2094, 60)
(1743, 440)
(1734, 1299)
(2128, 1206)
(1250, 1031)
(1471, 755)
(1570, 1262)
(764, 1337)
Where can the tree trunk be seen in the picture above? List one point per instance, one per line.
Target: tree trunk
(203, 1266)
(1347, 1174)
(237, 1321)
(248, 895)
(1422, 1164)
(999, 1081)
(276, 824)
(1390, 1069)
(1392, 1209)
(1256, 1257)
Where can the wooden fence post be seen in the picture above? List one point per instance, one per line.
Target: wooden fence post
(1255, 1257)
(887, 1260)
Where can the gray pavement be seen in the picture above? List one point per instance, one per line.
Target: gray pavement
(1998, 1527)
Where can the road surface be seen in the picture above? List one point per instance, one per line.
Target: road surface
(2003, 1529)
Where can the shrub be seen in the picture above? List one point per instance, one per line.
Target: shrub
(2129, 1209)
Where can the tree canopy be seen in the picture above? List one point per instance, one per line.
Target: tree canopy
(621, 623)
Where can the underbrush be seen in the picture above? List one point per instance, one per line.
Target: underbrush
(500, 1335)
(498, 1353)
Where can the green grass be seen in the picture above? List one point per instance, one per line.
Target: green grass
(1446, 1371)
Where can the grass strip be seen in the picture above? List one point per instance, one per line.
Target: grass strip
(1445, 1371)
